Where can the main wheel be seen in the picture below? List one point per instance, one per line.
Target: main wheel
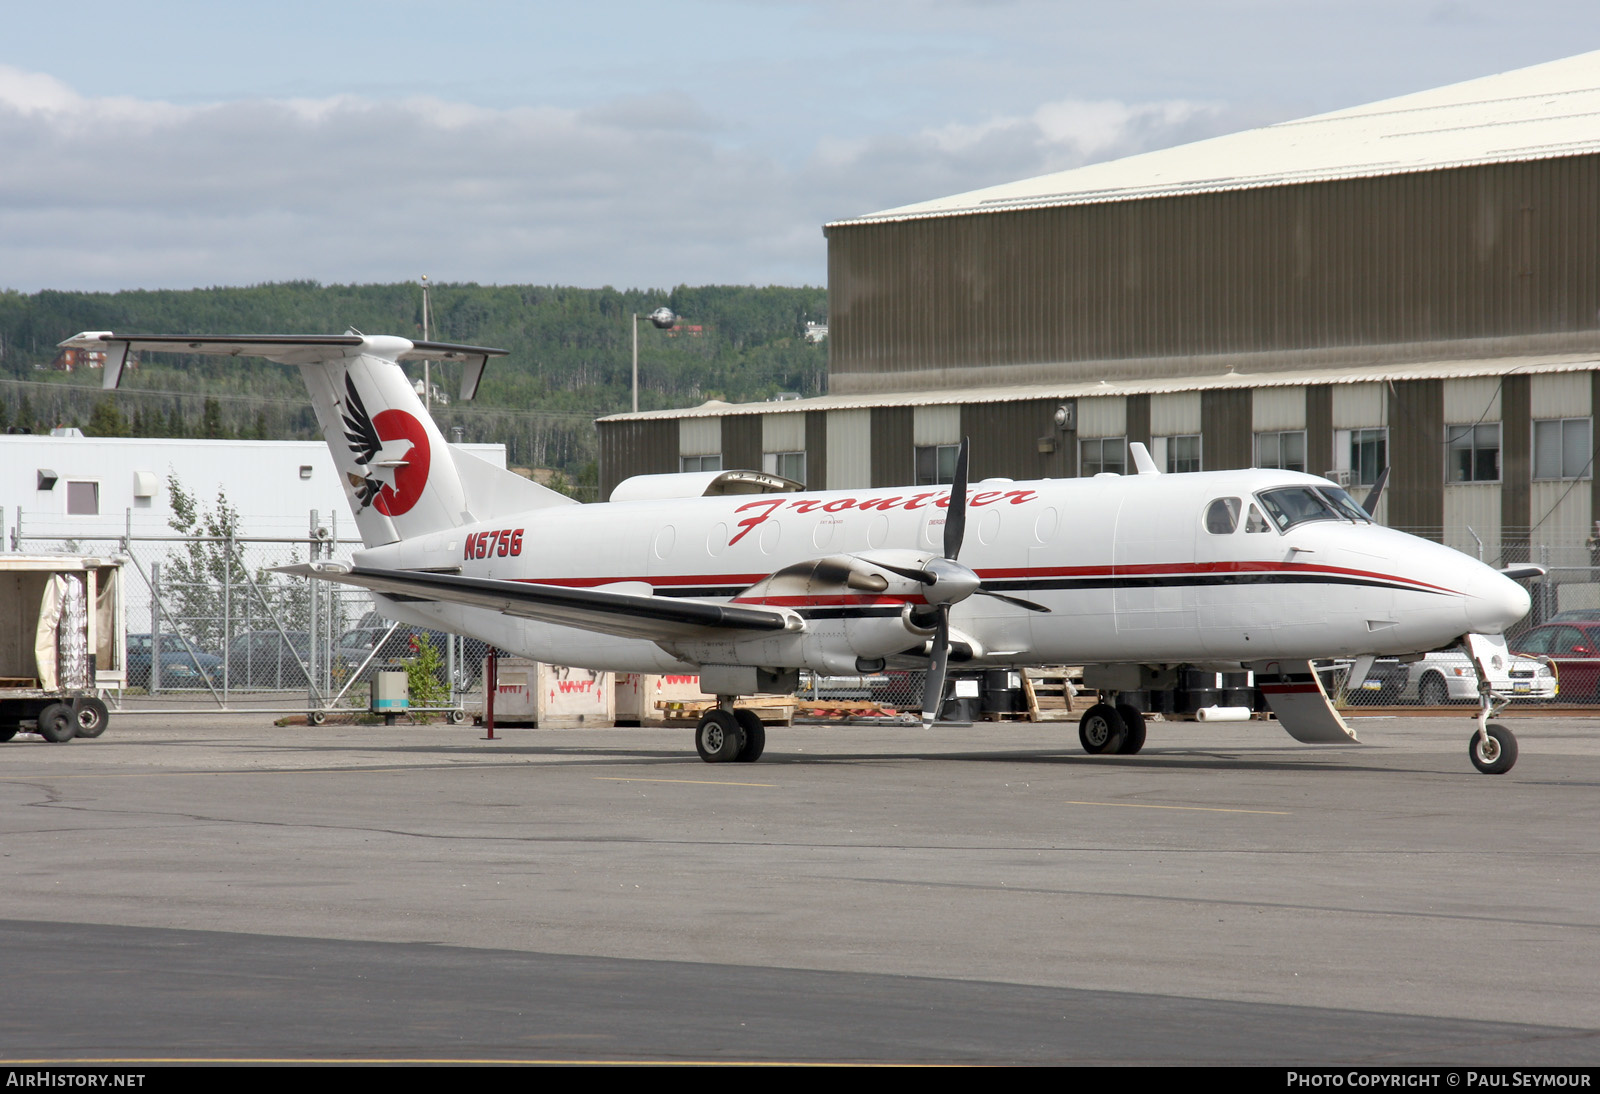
(317, 718)
(1497, 754)
(1432, 692)
(92, 718)
(1100, 729)
(6, 733)
(718, 737)
(1133, 729)
(755, 736)
(56, 723)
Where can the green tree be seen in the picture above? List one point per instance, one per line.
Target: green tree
(107, 421)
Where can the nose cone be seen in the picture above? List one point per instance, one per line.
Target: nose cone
(1495, 602)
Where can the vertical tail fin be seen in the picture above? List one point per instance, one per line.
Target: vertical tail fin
(400, 476)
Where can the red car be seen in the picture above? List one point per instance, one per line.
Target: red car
(1574, 649)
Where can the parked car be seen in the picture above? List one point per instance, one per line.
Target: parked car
(179, 667)
(1383, 685)
(1574, 650)
(269, 659)
(399, 647)
(1448, 677)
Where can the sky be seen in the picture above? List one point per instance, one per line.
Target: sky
(640, 145)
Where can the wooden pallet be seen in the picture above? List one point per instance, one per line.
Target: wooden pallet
(1049, 692)
(778, 712)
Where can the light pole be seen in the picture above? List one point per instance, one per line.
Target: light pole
(427, 378)
(663, 319)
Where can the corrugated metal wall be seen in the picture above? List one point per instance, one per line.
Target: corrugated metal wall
(741, 442)
(1225, 429)
(1516, 461)
(1006, 440)
(636, 448)
(1472, 252)
(893, 451)
(816, 449)
(1416, 458)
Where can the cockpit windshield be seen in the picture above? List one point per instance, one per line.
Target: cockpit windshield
(1288, 506)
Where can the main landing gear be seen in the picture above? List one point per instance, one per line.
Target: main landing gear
(726, 735)
(1111, 727)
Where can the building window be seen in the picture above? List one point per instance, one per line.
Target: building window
(1101, 454)
(1284, 451)
(1369, 455)
(83, 499)
(936, 464)
(791, 465)
(1474, 452)
(1182, 454)
(1561, 449)
(700, 463)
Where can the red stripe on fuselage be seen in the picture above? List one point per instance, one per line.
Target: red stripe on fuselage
(1146, 570)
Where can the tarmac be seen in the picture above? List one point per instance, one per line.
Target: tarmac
(216, 888)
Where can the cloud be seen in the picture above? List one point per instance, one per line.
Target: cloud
(646, 190)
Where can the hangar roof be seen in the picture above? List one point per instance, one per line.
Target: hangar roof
(1546, 111)
(1362, 374)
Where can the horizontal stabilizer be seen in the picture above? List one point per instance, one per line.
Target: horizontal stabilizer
(291, 349)
(657, 618)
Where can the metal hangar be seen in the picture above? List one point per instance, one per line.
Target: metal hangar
(1414, 283)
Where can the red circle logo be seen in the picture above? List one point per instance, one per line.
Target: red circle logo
(409, 480)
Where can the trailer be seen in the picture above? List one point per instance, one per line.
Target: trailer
(63, 641)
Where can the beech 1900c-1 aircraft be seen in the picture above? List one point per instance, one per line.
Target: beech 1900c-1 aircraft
(1131, 576)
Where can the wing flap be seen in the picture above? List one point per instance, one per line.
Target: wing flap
(629, 615)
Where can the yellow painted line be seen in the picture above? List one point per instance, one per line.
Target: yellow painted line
(690, 782)
(1185, 808)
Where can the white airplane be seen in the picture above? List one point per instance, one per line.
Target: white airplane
(1131, 576)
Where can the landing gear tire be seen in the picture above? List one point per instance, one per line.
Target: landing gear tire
(755, 736)
(56, 723)
(1495, 755)
(1101, 729)
(456, 717)
(718, 737)
(92, 718)
(1432, 691)
(317, 717)
(6, 733)
(1133, 729)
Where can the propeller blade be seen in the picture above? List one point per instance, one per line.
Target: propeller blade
(1371, 504)
(933, 688)
(1017, 600)
(923, 576)
(955, 521)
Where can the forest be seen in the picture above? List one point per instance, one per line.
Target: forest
(570, 359)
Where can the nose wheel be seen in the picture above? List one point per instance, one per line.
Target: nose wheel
(1493, 750)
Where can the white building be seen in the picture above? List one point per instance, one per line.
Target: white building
(60, 488)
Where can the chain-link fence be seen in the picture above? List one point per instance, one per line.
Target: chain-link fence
(211, 626)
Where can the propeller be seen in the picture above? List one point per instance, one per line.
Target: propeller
(947, 582)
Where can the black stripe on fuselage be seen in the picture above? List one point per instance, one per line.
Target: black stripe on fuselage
(1156, 581)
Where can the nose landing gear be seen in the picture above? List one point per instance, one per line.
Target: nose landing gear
(1493, 747)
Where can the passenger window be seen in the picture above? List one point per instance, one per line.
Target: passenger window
(1256, 522)
(1222, 516)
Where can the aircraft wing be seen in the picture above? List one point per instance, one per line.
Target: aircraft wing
(628, 615)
